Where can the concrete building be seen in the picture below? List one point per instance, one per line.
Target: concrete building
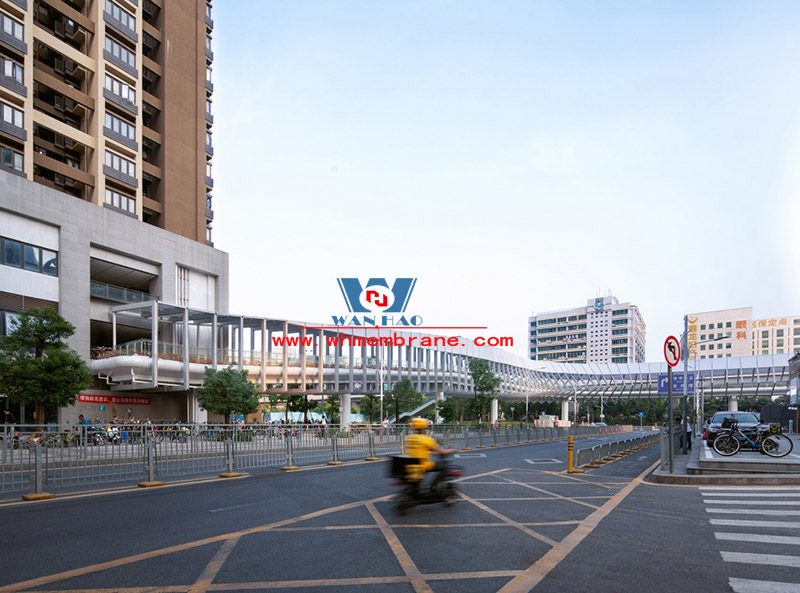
(105, 176)
(734, 332)
(604, 330)
(110, 102)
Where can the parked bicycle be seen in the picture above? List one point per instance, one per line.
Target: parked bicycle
(768, 441)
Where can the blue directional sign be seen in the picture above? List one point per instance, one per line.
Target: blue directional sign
(641, 414)
(677, 383)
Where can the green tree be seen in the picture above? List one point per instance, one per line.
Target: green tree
(332, 408)
(370, 407)
(228, 392)
(36, 365)
(485, 383)
(453, 408)
(402, 398)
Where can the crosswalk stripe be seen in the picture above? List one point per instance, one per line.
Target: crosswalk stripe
(754, 489)
(754, 494)
(744, 523)
(764, 502)
(770, 559)
(774, 512)
(751, 586)
(757, 538)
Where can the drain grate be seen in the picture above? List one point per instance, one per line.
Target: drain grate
(615, 489)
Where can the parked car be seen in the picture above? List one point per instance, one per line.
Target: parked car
(747, 420)
(600, 424)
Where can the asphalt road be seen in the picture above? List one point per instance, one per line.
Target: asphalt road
(522, 524)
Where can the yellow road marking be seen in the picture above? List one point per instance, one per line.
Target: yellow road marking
(204, 581)
(406, 563)
(531, 577)
(509, 521)
(553, 494)
(68, 574)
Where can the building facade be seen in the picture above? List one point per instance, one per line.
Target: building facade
(109, 101)
(105, 176)
(734, 332)
(81, 259)
(604, 330)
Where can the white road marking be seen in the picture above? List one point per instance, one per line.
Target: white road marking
(757, 538)
(751, 586)
(238, 506)
(708, 453)
(643, 457)
(744, 523)
(775, 512)
(538, 461)
(754, 494)
(762, 559)
(764, 502)
(467, 455)
(757, 491)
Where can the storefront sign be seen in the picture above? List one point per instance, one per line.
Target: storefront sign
(89, 398)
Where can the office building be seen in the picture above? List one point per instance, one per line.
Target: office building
(734, 332)
(604, 330)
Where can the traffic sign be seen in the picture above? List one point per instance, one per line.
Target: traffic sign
(672, 351)
(677, 382)
(641, 414)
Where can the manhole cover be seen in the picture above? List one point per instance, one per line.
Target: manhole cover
(615, 489)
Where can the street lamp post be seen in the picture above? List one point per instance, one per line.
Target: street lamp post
(512, 414)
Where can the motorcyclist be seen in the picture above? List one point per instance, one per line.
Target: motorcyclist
(420, 445)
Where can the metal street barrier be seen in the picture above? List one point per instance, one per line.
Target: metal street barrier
(81, 455)
(601, 453)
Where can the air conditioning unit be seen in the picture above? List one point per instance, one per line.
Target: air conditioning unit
(59, 140)
(58, 65)
(59, 27)
(59, 179)
(58, 102)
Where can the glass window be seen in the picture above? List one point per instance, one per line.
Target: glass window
(11, 321)
(30, 256)
(728, 324)
(765, 334)
(719, 325)
(12, 253)
(702, 327)
(779, 333)
(779, 343)
(765, 343)
(49, 262)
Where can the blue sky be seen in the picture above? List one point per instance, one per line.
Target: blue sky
(513, 156)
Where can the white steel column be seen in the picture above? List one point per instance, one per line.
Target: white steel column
(240, 341)
(263, 355)
(285, 362)
(565, 411)
(344, 410)
(186, 349)
(154, 338)
(493, 414)
(733, 403)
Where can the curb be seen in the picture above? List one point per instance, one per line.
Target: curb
(660, 477)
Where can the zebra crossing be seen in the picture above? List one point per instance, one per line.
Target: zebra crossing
(756, 527)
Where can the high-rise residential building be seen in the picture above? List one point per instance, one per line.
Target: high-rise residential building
(105, 179)
(734, 332)
(604, 330)
(110, 101)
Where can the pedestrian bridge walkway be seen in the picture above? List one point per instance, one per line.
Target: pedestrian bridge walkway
(180, 343)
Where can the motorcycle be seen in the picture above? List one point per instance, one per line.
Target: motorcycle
(410, 475)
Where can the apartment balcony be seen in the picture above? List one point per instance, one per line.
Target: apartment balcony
(120, 139)
(121, 177)
(13, 85)
(209, 118)
(21, 3)
(119, 27)
(119, 101)
(209, 181)
(12, 130)
(119, 63)
(209, 213)
(13, 42)
(210, 86)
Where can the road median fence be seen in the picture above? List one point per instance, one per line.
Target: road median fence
(64, 457)
(598, 455)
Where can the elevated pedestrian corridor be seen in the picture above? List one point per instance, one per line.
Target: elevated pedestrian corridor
(179, 343)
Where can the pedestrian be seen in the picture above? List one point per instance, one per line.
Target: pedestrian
(8, 417)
